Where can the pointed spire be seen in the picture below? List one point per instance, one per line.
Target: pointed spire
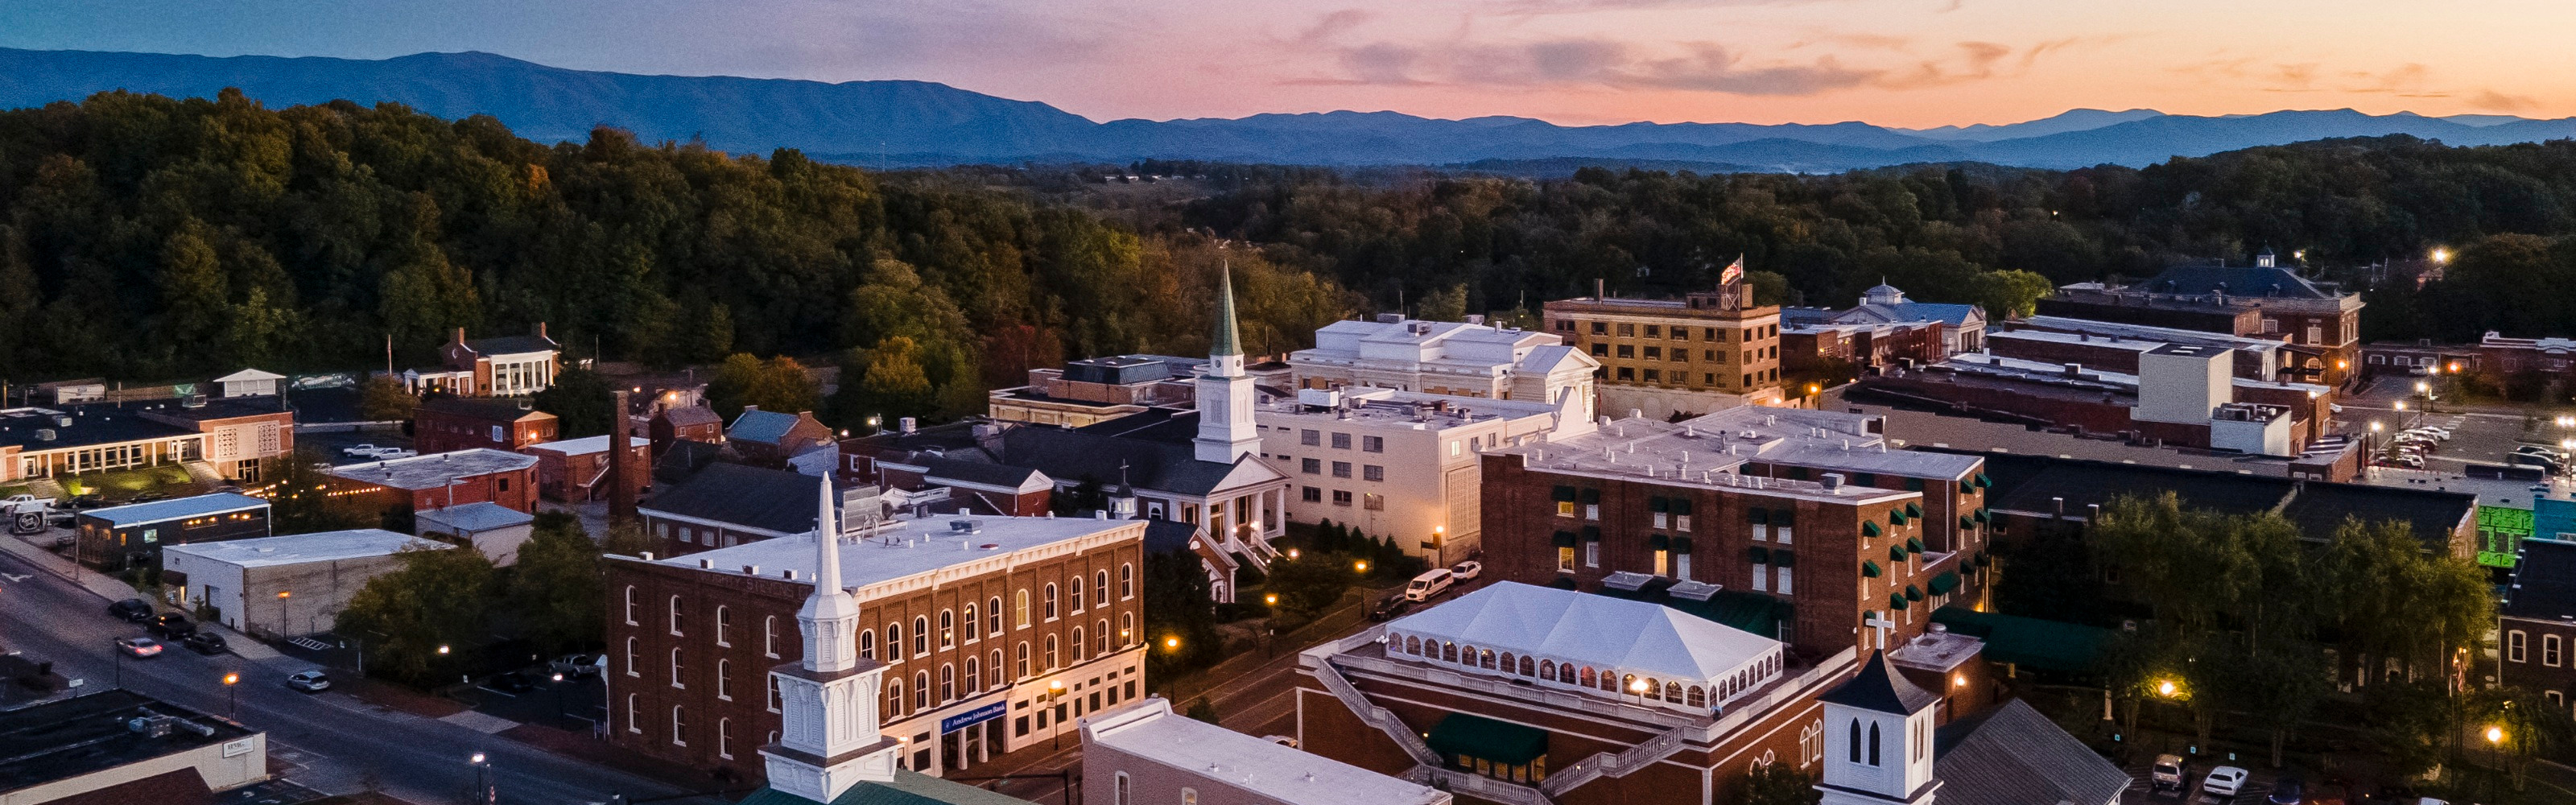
(827, 542)
(830, 616)
(1880, 688)
(1229, 340)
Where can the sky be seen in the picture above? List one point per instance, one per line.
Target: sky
(1911, 63)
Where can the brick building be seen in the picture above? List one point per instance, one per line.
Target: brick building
(507, 366)
(2318, 321)
(995, 634)
(728, 504)
(1090, 391)
(771, 438)
(233, 435)
(437, 480)
(443, 424)
(2538, 621)
(576, 470)
(683, 423)
(1706, 351)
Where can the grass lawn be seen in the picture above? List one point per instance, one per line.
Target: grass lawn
(122, 484)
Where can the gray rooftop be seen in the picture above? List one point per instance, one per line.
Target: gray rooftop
(436, 470)
(1272, 772)
(176, 509)
(473, 518)
(66, 738)
(1711, 451)
(902, 548)
(296, 549)
(1434, 411)
(2012, 755)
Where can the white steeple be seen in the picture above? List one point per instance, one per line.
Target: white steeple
(1225, 393)
(828, 739)
(1878, 739)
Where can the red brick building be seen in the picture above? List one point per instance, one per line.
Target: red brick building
(2538, 622)
(2319, 322)
(1000, 632)
(576, 470)
(683, 423)
(442, 424)
(439, 479)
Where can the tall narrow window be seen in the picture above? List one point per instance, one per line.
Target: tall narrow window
(999, 678)
(993, 610)
(1020, 607)
(773, 693)
(1051, 653)
(679, 726)
(1100, 586)
(867, 644)
(675, 614)
(630, 605)
(724, 680)
(1051, 600)
(1023, 667)
(1873, 743)
(974, 673)
(921, 636)
(1855, 740)
(974, 628)
(921, 690)
(1077, 594)
(634, 716)
(1081, 647)
(724, 738)
(724, 626)
(675, 669)
(1100, 640)
(947, 683)
(630, 658)
(1126, 582)
(769, 637)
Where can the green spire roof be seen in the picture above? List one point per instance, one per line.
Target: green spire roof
(1229, 341)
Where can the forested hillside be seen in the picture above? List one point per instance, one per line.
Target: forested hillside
(145, 238)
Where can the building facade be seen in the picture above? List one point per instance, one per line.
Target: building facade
(274, 587)
(1707, 351)
(437, 480)
(117, 537)
(2319, 322)
(1470, 359)
(995, 634)
(508, 366)
(576, 470)
(233, 436)
(1144, 752)
(1402, 464)
(444, 424)
(2538, 622)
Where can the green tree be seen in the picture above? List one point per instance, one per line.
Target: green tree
(1310, 585)
(557, 586)
(582, 402)
(299, 501)
(438, 598)
(195, 294)
(383, 399)
(885, 381)
(1779, 784)
(1770, 288)
(2011, 294)
(1180, 615)
(778, 384)
(1444, 304)
(423, 295)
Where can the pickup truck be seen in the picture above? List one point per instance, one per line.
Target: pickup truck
(361, 451)
(13, 503)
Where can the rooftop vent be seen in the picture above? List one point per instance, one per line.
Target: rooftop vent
(965, 527)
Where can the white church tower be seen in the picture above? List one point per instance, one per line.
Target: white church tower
(1225, 393)
(828, 702)
(1878, 739)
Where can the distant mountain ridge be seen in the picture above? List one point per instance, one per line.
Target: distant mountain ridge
(917, 123)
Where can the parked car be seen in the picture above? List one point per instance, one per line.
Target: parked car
(204, 642)
(360, 451)
(2224, 781)
(1430, 583)
(2167, 774)
(1389, 607)
(131, 610)
(1466, 571)
(577, 665)
(391, 453)
(2288, 791)
(309, 681)
(171, 626)
(139, 647)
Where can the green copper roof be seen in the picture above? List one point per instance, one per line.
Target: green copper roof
(1229, 338)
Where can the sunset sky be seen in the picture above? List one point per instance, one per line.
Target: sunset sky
(1894, 62)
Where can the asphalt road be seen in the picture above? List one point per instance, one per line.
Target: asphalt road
(335, 739)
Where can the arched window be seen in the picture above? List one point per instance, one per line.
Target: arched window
(1587, 677)
(675, 669)
(1023, 667)
(630, 658)
(1121, 796)
(1654, 690)
(894, 696)
(1100, 586)
(1547, 670)
(724, 738)
(724, 626)
(999, 678)
(894, 642)
(1855, 740)
(920, 635)
(1672, 691)
(1076, 584)
(773, 691)
(724, 680)
(675, 614)
(630, 609)
(1610, 681)
(1081, 647)
(1448, 652)
(1413, 645)
(948, 629)
(1052, 654)
(993, 611)
(1100, 639)
(1698, 697)
(974, 628)
(1526, 670)
(1051, 600)
(1126, 582)
(921, 690)
(947, 683)
(679, 726)
(1508, 661)
(1485, 659)
(974, 673)
(867, 644)
(634, 717)
(1126, 628)
(769, 637)
(1020, 607)
(1873, 743)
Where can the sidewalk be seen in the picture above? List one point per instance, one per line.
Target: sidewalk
(107, 588)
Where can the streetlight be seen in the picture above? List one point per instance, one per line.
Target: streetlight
(1270, 599)
(1055, 690)
(483, 789)
(2441, 255)
(282, 618)
(2165, 688)
(559, 704)
(232, 699)
(1171, 644)
(1362, 567)
(1292, 554)
(2495, 735)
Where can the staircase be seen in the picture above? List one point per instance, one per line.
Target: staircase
(203, 474)
(47, 487)
(1604, 764)
(1376, 716)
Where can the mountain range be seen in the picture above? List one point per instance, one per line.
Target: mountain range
(918, 123)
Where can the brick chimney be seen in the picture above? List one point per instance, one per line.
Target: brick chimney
(621, 489)
(541, 331)
(460, 337)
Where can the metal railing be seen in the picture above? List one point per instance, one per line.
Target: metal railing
(1604, 764)
(1376, 716)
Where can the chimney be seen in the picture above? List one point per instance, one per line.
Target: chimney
(1600, 288)
(541, 330)
(621, 488)
(460, 335)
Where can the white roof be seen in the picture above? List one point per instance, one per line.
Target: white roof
(1277, 773)
(247, 375)
(436, 470)
(581, 447)
(903, 549)
(293, 549)
(1630, 636)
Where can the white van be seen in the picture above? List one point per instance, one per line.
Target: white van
(1430, 583)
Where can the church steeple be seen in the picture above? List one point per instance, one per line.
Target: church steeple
(1225, 393)
(828, 739)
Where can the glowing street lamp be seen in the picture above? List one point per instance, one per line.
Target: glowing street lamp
(1271, 599)
(232, 698)
(1171, 644)
(2495, 735)
(1362, 567)
(2441, 255)
(2165, 688)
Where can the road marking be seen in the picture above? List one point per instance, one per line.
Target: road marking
(15, 577)
(478, 721)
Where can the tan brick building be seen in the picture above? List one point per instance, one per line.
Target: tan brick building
(1707, 351)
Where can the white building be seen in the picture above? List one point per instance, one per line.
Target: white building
(290, 585)
(1469, 359)
(1403, 463)
(492, 528)
(1148, 754)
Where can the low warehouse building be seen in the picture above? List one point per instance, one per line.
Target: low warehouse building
(121, 746)
(290, 585)
(118, 536)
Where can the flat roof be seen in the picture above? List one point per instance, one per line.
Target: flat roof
(1711, 451)
(296, 549)
(583, 446)
(903, 548)
(474, 517)
(436, 470)
(36, 429)
(1390, 406)
(176, 509)
(1150, 730)
(66, 738)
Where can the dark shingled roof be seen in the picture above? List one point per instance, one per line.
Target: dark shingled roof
(2026, 483)
(2234, 281)
(751, 497)
(91, 425)
(691, 415)
(1880, 688)
(684, 458)
(510, 345)
(2544, 585)
(973, 472)
(1168, 536)
(1075, 455)
(2012, 755)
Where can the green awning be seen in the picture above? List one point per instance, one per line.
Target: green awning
(1464, 735)
(2033, 643)
(1784, 557)
(1760, 555)
(1914, 544)
(1868, 569)
(1984, 482)
(1896, 601)
(1659, 542)
(1913, 593)
(1681, 506)
(1913, 510)
(1868, 528)
(1758, 613)
(1658, 505)
(1896, 553)
(1984, 517)
(1591, 496)
(1966, 521)
(1681, 545)
(1564, 539)
(1757, 516)
(1896, 517)
(1563, 494)
(1984, 559)
(1944, 583)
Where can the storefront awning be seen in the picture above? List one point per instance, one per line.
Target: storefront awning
(1564, 539)
(1461, 734)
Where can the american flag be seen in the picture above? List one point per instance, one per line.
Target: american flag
(1734, 271)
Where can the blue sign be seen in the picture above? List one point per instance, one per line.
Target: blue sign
(972, 717)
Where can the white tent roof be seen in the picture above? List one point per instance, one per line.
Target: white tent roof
(1631, 636)
(248, 375)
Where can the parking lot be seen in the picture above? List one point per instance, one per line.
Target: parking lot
(329, 445)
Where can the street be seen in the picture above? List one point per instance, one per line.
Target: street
(330, 742)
